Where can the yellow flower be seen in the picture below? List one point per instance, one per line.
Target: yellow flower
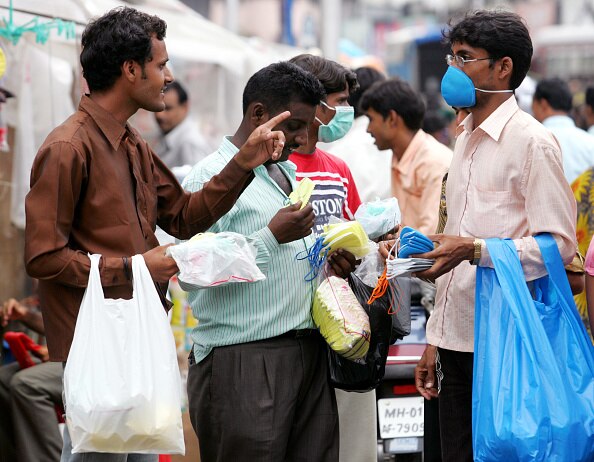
(590, 198)
(582, 307)
(580, 184)
(582, 232)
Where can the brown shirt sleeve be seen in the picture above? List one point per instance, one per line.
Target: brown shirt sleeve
(59, 178)
(187, 214)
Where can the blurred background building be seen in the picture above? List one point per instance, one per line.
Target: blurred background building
(215, 45)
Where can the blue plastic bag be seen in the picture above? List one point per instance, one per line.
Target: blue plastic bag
(533, 387)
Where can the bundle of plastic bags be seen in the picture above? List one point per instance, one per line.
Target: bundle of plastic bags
(215, 259)
(341, 319)
(365, 374)
(378, 217)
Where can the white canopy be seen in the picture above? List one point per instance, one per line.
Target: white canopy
(211, 62)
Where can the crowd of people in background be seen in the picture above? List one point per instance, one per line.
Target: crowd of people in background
(470, 167)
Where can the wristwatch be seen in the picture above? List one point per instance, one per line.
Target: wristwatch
(478, 243)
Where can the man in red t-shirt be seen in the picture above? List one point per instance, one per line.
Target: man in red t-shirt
(335, 193)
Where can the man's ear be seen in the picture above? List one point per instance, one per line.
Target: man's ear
(130, 70)
(393, 118)
(258, 114)
(506, 66)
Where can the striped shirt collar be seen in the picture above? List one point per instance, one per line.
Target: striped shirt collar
(494, 124)
(227, 151)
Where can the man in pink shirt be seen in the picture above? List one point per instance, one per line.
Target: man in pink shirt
(506, 180)
(419, 161)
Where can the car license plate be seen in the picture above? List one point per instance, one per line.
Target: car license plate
(400, 417)
(405, 445)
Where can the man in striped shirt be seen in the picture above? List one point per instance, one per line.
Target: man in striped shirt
(257, 382)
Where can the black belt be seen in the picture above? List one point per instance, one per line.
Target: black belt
(298, 333)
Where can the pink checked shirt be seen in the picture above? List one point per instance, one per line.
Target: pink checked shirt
(416, 181)
(506, 180)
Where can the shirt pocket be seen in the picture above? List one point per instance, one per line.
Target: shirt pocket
(489, 213)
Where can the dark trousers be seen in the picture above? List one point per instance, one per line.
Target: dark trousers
(264, 401)
(455, 405)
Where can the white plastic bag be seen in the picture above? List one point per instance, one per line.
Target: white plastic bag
(378, 217)
(215, 259)
(122, 381)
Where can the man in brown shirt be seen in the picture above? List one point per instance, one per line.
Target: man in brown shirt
(97, 187)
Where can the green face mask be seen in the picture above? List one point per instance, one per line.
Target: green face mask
(339, 125)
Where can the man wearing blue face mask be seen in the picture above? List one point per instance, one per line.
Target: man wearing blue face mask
(335, 193)
(505, 181)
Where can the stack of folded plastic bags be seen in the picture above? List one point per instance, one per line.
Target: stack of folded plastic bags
(341, 319)
(336, 311)
(215, 259)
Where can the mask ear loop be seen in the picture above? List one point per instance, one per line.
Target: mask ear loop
(382, 283)
(316, 256)
(392, 282)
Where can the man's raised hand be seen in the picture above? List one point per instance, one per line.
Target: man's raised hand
(263, 144)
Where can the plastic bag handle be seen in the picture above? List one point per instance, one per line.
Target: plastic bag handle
(140, 273)
(554, 264)
(507, 267)
(94, 282)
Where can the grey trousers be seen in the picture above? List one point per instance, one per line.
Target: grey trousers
(28, 421)
(357, 416)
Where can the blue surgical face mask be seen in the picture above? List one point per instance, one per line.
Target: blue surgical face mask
(458, 89)
(339, 125)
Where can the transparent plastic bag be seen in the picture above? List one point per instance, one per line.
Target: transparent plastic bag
(378, 217)
(215, 259)
(121, 382)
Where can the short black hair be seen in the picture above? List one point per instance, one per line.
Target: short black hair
(120, 35)
(279, 84)
(434, 121)
(590, 97)
(366, 77)
(333, 76)
(500, 34)
(182, 94)
(556, 92)
(395, 95)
